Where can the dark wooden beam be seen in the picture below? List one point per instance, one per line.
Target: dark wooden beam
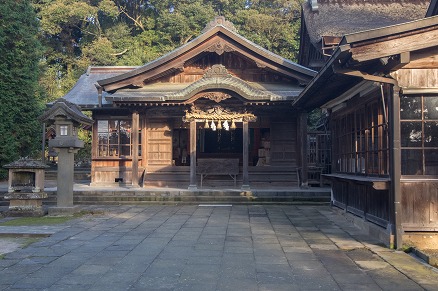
(410, 42)
(363, 75)
(403, 60)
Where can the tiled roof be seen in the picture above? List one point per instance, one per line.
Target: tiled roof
(84, 93)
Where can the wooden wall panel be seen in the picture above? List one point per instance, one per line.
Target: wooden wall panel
(159, 143)
(422, 59)
(235, 64)
(362, 200)
(417, 78)
(420, 206)
(433, 205)
(284, 143)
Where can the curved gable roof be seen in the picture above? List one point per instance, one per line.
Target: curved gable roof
(219, 28)
(218, 77)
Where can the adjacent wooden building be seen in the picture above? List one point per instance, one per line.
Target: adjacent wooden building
(379, 89)
(219, 98)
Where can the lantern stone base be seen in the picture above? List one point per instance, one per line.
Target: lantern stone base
(64, 210)
(26, 204)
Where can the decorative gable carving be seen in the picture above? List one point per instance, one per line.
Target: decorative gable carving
(219, 20)
(220, 47)
(216, 96)
(217, 71)
(217, 77)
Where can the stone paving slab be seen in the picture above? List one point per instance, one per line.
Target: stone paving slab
(243, 247)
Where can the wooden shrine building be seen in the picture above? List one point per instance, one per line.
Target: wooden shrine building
(379, 89)
(218, 105)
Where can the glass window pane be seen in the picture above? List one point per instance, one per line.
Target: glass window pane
(125, 132)
(114, 138)
(113, 125)
(431, 162)
(411, 162)
(125, 150)
(103, 150)
(102, 126)
(410, 134)
(431, 107)
(410, 107)
(431, 134)
(102, 138)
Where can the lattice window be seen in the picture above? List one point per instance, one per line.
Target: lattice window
(419, 135)
(360, 140)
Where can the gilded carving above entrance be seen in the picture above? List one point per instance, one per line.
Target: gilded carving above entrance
(217, 113)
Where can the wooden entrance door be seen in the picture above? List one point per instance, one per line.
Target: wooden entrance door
(283, 143)
(159, 143)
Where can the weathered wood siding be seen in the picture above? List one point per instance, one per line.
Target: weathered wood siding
(284, 143)
(420, 205)
(159, 143)
(107, 171)
(240, 67)
(362, 200)
(417, 78)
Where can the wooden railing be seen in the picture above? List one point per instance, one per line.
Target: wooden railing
(216, 167)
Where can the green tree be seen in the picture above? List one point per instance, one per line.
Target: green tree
(20, 52)
(79, 33)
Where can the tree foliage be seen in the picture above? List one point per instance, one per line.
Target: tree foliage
(20, 52)
(79, 33)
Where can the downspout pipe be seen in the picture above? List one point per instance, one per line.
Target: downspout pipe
(395, 163)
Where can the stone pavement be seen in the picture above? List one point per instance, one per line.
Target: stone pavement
(246, 247)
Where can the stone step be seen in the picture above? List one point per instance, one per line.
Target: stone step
(176, 196)
(81, 175)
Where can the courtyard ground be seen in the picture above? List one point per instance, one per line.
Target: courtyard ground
(247, 247)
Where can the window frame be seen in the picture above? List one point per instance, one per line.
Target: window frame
(360, 138)
(422, 150)
(117, 147)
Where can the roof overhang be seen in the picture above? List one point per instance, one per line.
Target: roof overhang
(370, 56)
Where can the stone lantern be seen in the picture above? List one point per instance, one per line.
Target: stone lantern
(26, 188)
(66, 117)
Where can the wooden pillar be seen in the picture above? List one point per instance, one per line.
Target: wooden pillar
(395, 164)
(245, 183)
(134, 167)
(302, 143)
(193, 183)
(144, 142)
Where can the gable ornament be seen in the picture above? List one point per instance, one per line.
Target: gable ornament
(216, 96)
(219, 48)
